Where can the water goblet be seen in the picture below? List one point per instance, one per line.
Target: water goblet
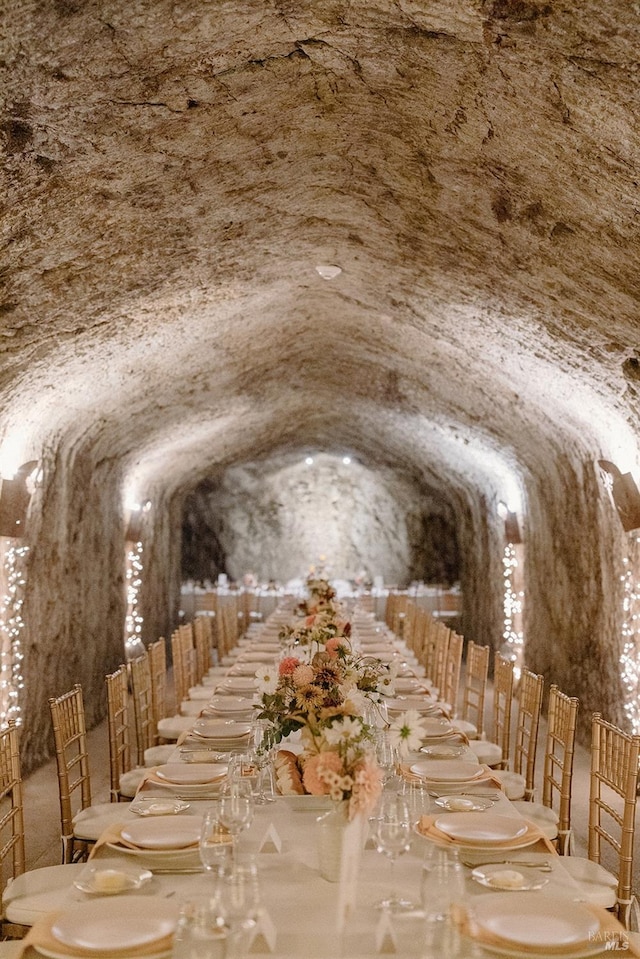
(442, 886)
(239, 899)
(236, 812)
(392, 837)
(387, 757)
(215, 840)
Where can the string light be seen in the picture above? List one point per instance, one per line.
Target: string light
(11, 626)
(133, 621)
(513, 603)
(630, 656)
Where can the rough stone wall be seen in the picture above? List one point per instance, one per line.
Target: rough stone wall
(278, 518)
(74, 599)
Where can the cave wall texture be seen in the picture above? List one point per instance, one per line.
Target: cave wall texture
(175, 177)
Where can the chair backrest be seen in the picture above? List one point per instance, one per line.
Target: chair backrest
(475, 686)
(202, 639)
(502, 700)
(527, 725)
(180, 668)
(118, 724)
(143, 715)
(440, 656)
(612, 802)
(157, 653)
(72, 758)
(451, 671)
(562, 714)
(12, 851)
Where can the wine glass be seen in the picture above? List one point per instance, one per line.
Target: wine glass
(442, 886)
(387, 757)
(392, 836)
(238, 896)
(263, 753)
(236, 811)
(215, 839)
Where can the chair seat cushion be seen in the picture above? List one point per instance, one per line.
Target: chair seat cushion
(172, 727)
(200, 692)
(487, 752)
(91, 822)
(130, 782)
(158, 755)
(191, 707)
(512, 783)
(470, 731)
(542, 816)
(597, 884)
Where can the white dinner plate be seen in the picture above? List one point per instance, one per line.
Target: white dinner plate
(231, 704)
(239, 684)
(538, 922)
(508, 877)
(448, 770)
(220, 728)
(408, 685)
(421, 704)
(196, 773)
(443, 751)
(109, 877)
(243, 669)
(165, 832)
(464, 803)
(481, 827)
(436, 727)
(108, 925)
(163, 860)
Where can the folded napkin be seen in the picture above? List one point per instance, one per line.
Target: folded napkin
(611, 931)
(41, 937)
(427, 828)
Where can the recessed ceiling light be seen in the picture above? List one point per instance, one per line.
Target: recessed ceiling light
(328, 271)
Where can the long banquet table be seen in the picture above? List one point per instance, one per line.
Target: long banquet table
(301, 906)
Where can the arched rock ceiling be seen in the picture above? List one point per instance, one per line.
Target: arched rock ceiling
(175, 171)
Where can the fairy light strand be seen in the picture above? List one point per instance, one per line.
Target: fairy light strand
(133, 621)
(513, 603)
(630, 656)
(11, 627)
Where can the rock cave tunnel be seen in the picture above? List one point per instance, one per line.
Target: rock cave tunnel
(237, 236)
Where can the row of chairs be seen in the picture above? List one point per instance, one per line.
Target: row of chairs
(512, 750)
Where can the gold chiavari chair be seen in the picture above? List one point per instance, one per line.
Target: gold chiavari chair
(612, 813)
(168, 727)
(123, 779)
(149, 753)
(471, 720)
(495, 752)
(78, 816)
(12, 846)
(518, 779)
(451, 671)
(441, 649)
(553, 814)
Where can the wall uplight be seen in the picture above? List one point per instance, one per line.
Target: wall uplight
(309, 460)
(328, 271)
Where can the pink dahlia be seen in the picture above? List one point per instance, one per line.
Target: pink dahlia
(314, 768)
(303, 674)
(288, 665)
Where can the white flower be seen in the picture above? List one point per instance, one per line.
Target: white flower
(407, 732)
(343, 730)
(356, 699)
(267, 677)
(386, 685)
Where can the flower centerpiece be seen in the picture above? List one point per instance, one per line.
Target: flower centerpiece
(321, 596)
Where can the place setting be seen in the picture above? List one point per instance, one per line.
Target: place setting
(479, 831)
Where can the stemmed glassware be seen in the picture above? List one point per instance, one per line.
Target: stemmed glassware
(263, 756)
(215, 839)
(386, 756)
(236, 808)
(391, 828)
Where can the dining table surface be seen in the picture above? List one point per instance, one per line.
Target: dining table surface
(303, 915)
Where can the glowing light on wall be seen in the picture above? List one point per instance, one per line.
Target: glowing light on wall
(513, 604)
(133, 578)
(630, 656)
(11, 626)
